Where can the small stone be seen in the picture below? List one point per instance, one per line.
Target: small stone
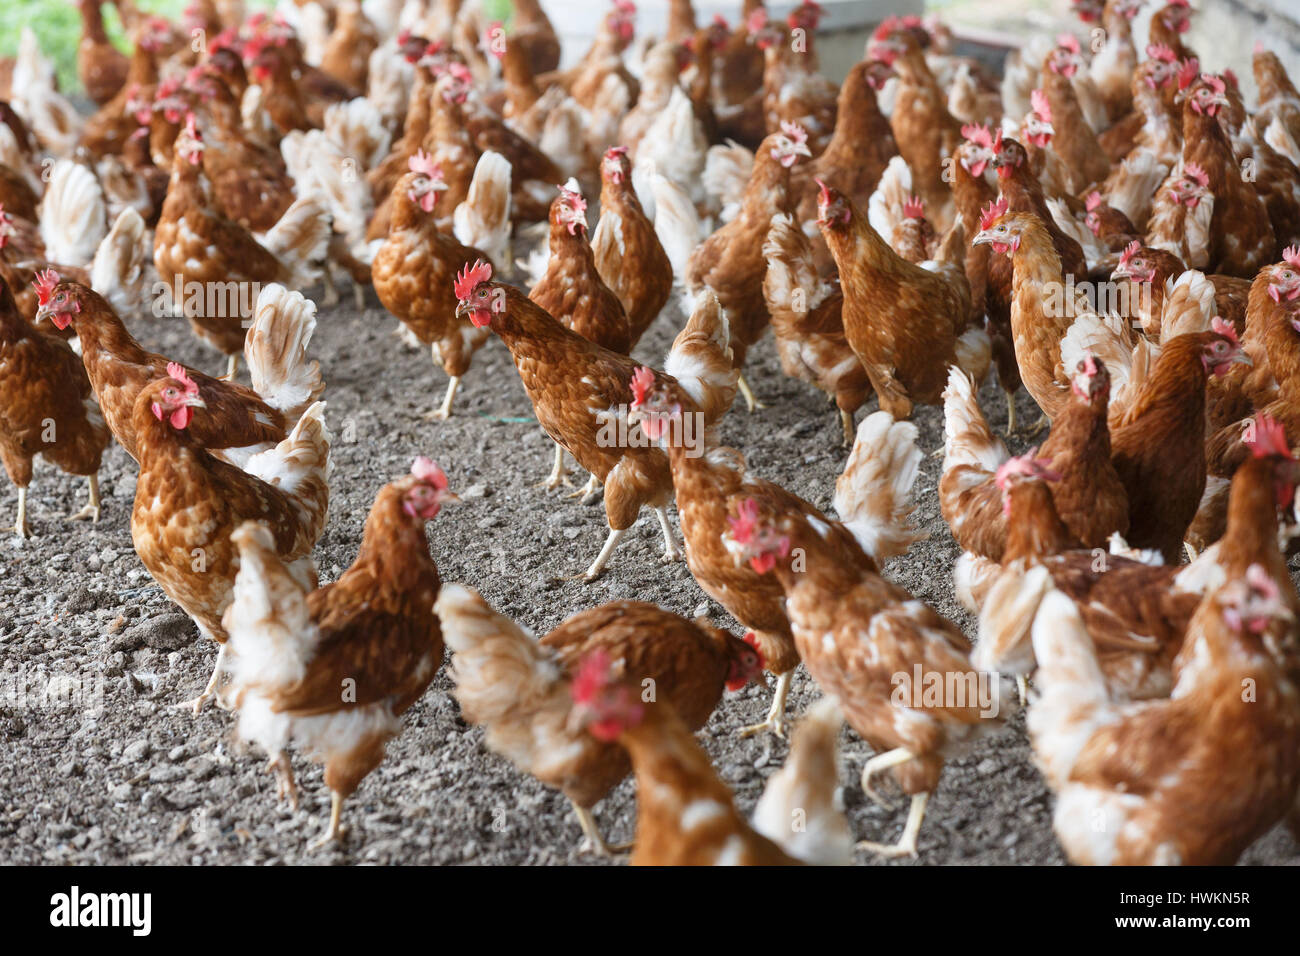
(474, 491)
(176, 754)
(120, 793)
(136, 750)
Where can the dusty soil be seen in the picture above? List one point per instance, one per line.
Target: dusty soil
(111, 772)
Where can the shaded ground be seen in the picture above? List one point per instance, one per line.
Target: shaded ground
(116, 774)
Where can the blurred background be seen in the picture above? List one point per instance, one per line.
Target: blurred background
(1225, 31)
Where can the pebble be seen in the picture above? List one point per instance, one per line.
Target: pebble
(136, 750)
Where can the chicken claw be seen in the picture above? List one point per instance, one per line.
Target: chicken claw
(197, 703)
(588, 491)
(91, 510)
(671, 551)
(775, 720)
(906, 845)
(558, 475)
(334, 833)
(750, 400)
(592, 841)
(878, 764)
(443, 411)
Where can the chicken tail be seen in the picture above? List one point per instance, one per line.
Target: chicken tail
(1189, 306)
(1006, 618)
(791, 285)
(118, 269)
(505, 680)
(72, 214)
(300, 239)
(276, 351)
(482, 221)
(973, 351)
(1134, 184)
(676, 224)
(358, 129)
(726, 174)
(268, 624)
(800, 809)
(885, 208)
(873, 496)
(968, 441)
(700, 358)
(299, 466)
(1072, 699)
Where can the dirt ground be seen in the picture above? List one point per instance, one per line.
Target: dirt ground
(98, 766)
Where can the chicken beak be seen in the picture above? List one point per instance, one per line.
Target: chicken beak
(1241, 358)
(194, 401)
(462, 309)
(981, 238)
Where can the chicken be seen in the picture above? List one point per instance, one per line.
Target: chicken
(1129, 776)
(572, 289)
(581, 394)
(239, 422)
(685, 814)
(1279, 103)
(1088, 497)
(1073, 140)
(794, 91)
(907, 350)
(46, 408)
(347, 54)
(731, 263)
(519, 688)
(107, 131)
(531, 29)
(808, 322)
(926, 133)
(856, 633)
(101, 67)
(373, 630)
(628, 254)
(1241, 237)
(483, 220)
(1112, 66)
(800, 809)
(414, 270)
(873, 502)
(187, 503)
(210, 261)
(1181, 215)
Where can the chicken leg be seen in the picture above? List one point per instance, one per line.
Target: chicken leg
(1011, 413)
(20, 526)
(558, 474)
(906, 845)
(750, 400)
(232, 367)
(334, 832)
(592, 841)
(443, 412)
(850, 433)
(671, 551)
(286, 788)
(91, 510)
(598, 566)
(588, 491)
(775, 721)
(878, 764)
(197, 703)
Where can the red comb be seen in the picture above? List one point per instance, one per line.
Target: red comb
(795, 132)
(1215, 83)
(914, 207)
(44, 285)
(177, 371)
(1038, 100)
(422, 162)
(1093, 201)
(1270, 437)
(1290, 255)
(1225, 328)
(1130, 251)
(1187, 72)
(993, 211)
(826, 194)
(643, 380)
(615, 151)
(1198, 173)
(470, 277)
(427, 470)
(1161, 52)
(745, 521)
(979, 135)
(886, 28)
(591, 677)
(1068, 41)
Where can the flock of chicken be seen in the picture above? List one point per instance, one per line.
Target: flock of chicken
(1109, 228)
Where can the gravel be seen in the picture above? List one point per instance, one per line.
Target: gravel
(102, 767)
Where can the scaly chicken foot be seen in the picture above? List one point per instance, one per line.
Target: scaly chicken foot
(559, 474)
(443, 411)
(1035, 429)
(775, 721)
(1011, 413)
(750, 399)
(592, 841)
(846, 421)
(20, 526)
(232, 367)
(587, 492)
(197, 703)
(906, 845)
(330, 286)
(334, 832)
(879, 764)
(602, 560)
(91, 511)
(286, 788)
(671, 551)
